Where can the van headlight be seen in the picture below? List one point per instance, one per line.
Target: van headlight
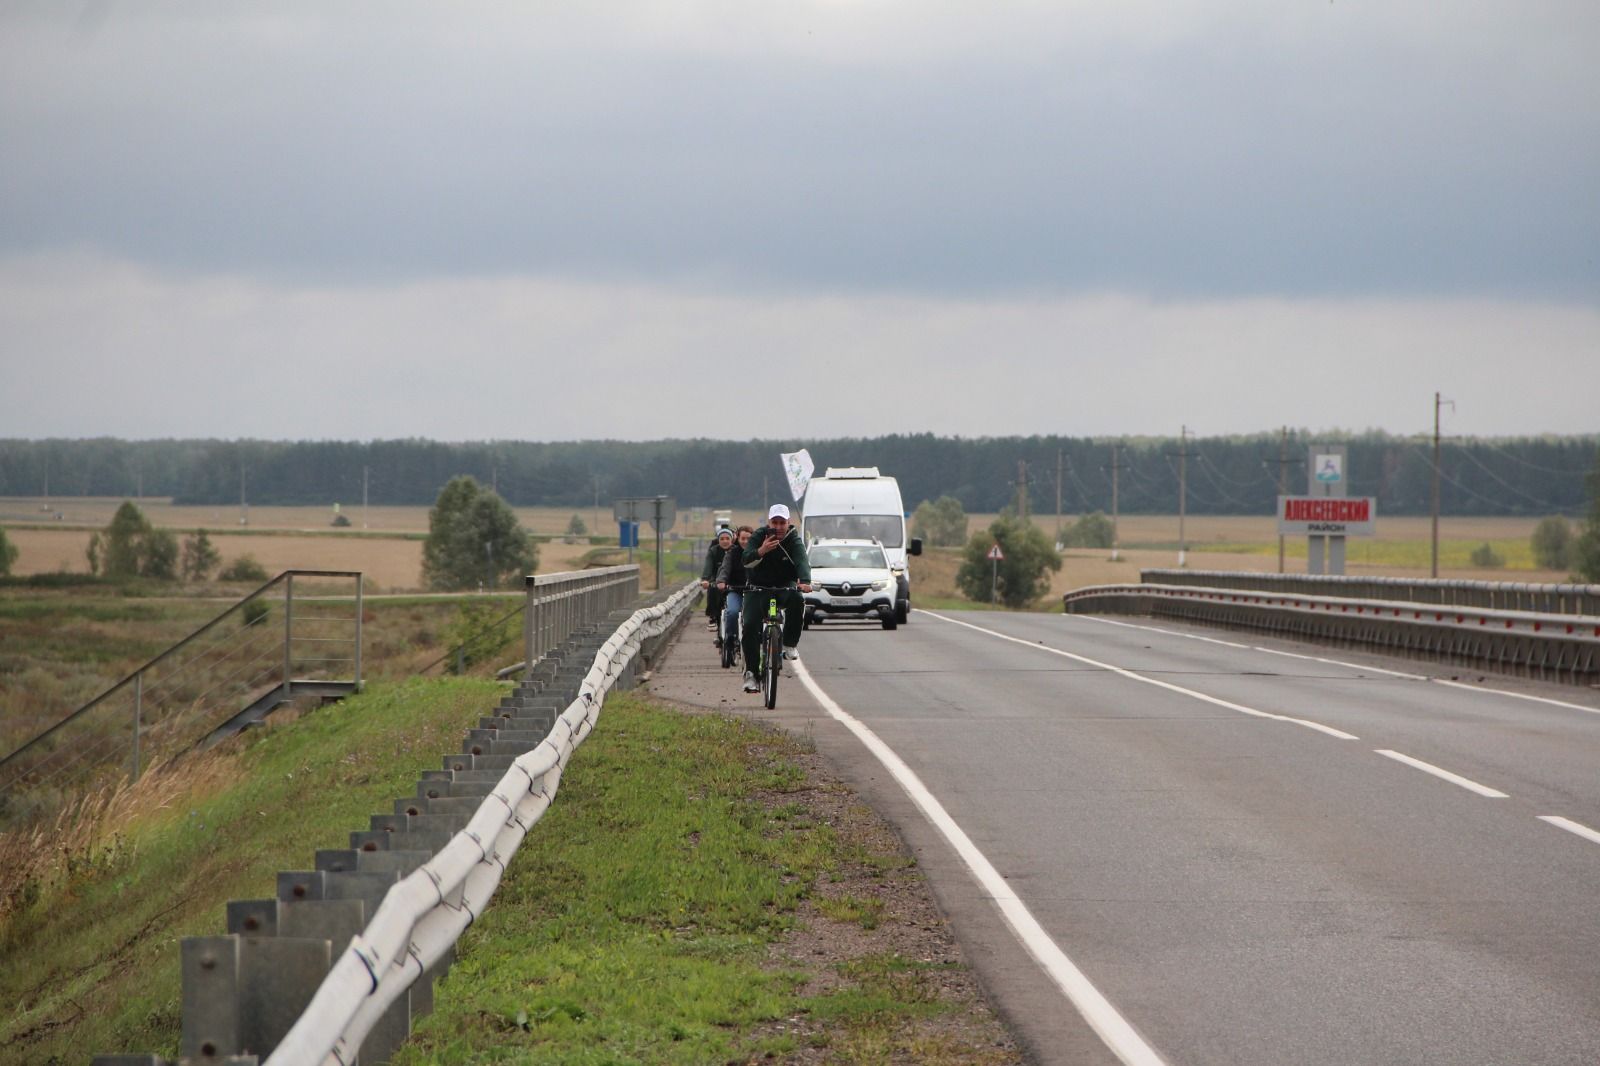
(881, 585)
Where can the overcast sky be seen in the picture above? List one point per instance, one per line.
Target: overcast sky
(544, 221)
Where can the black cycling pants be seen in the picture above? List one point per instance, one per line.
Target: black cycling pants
(793, 606)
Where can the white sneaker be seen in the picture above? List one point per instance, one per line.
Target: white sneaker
(750, 682)
(792, 654)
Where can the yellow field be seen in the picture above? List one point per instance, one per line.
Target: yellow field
(300, 537)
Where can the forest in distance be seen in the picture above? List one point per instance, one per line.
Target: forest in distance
(1225, 475)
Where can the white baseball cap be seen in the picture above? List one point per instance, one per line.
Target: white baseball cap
(778, 511)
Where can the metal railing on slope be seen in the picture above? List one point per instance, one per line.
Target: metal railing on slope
(423, 915)
(253, 656)
(1495, 595)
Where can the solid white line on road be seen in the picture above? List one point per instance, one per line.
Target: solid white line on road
(1112, 1028)
(1572, 827)
(1443, 775)
(1367, 667)
(1130, 675)
(1251, 647)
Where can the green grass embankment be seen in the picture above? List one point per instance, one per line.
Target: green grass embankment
(91, 941)
(643, 920)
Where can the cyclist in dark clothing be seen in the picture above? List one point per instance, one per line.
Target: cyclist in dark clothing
(708, 576)
(775, 558)
(731, 580)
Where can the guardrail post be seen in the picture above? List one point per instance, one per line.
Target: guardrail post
(527, 627)
(138, 711)
(359, 619)
(288, 625)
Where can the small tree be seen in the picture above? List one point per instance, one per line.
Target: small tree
(1023, 575)
(473, 537)
(199, 557)
(1552, 543)
(942, 523)
(8, 554)
(576, 526)
(1586, 550)
(131, 547)
(1090, 531)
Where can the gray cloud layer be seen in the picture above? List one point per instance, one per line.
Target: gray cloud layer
(1184, 150)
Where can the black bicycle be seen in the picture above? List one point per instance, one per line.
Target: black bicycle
(769, 653)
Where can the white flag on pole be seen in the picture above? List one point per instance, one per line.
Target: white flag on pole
(798, 467)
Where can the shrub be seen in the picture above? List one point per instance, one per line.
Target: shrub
(255, 611)
(8, 554)
(244, 568)
(474, 538)
(1552, 542)
(1022, 574)
(576, 527)
(942, 523)
(1090, 531)
(340, 520)
(199, 556)
(1485, 555)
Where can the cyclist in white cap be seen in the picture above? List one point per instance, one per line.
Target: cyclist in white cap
(775, 557)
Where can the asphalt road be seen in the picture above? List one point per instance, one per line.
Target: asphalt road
(1251, 856)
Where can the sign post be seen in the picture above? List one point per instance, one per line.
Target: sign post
(660, 511)
(1326, 469)
(995, 555)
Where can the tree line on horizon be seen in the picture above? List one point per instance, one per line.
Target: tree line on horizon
(1529, 476)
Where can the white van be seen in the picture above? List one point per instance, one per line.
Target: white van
(858, 503)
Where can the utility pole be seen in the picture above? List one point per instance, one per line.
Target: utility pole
(244, 507)
(1283, 482)
(1183, 493)
(596, 529)
(1437, 403)
(1058, 498)
(1022, 489)
(364, 472)
(1116, 468)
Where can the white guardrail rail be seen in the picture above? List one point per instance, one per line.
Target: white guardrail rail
(423, 915)
(1555, 646)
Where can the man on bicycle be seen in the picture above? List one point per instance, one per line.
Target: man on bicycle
(774, 558)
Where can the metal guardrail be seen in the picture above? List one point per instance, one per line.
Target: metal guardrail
(423, 915)
(1529, 643)
(246, 660)
(556, 604)
(1496, 595)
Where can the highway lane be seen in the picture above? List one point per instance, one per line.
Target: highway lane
(1249, 889)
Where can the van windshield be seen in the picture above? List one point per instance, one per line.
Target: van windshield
(889, 529)
(868, 557)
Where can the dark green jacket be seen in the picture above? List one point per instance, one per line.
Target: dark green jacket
(783, 565)
(714, 556)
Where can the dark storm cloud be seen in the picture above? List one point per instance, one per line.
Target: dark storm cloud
(1331, 150)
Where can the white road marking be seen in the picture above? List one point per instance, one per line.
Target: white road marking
(1357, 666)
(1443, 775)
(1130, 675)
(1572, 827)
(1112, 1028)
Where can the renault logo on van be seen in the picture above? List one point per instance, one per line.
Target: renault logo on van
(844, 589)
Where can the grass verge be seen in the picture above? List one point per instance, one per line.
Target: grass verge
(697, 893)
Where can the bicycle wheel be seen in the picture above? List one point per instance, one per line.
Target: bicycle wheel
(730, 647)
(774, 665)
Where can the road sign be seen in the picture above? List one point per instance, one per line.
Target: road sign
(660, 511)
(995, 553)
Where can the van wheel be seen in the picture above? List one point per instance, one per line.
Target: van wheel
(889, 621)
